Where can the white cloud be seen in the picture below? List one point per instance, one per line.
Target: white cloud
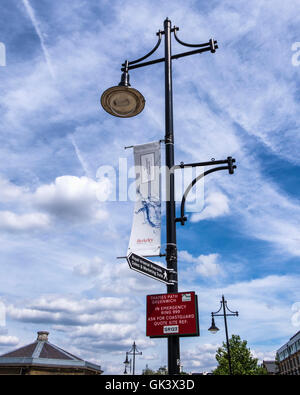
(81, 312)
(88, 306)
(296, 314)
(216, 205)
(68, 198)
(89, 269)
(200, 358)
(264, 306)
(115, 275)
(208, 266)
(205, 265)
(231, 100)
(9, 191)
(263, 355)
(10, 221)
(105, 331)
(6, 340)
(74, 198)
(266, 212)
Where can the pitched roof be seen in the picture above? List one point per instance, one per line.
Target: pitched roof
(270, 366)
(42, 352)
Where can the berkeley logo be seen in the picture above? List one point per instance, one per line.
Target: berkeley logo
(144, 240)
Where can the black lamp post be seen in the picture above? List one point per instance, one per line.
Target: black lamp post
(124, 101)
(214, 329)
(133, 351)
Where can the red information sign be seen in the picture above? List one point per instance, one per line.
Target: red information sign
(172, 314)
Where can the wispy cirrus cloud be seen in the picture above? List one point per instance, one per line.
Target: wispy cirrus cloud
(241, 101)
(80, 157)
(37, 28)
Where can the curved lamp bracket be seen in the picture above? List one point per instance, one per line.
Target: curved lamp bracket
(212, 43)
(147, 55)
(182, 219)
(224, 303)
(216, 312)
(211, 46)
(233, 312)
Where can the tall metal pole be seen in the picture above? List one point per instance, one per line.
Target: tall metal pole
(171, 250)
(113, 108)
(227, 340)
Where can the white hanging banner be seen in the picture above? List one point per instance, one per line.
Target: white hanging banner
(145, 238)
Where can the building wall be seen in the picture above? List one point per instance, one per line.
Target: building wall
(35, 371)
(290, 365)
(288, 356)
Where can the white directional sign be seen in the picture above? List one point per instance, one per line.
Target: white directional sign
(151, 269)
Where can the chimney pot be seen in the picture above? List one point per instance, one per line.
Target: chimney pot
(42, 336)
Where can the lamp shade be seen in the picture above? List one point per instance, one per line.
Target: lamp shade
(122, 101)
(213, 328)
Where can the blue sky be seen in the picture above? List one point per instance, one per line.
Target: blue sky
(59, 241)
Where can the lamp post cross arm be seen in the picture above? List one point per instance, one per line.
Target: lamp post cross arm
(211, 46)
(134, 350)
(212, 43)
(233, 313)
(216, 313)
(173, 57)
(227, 314)
(228, 161)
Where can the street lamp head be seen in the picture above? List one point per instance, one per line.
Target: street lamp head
(126, 362)
(213, 328)
(122, 100)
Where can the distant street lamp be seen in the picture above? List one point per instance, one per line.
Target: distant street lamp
(214, 329)
(133, 351)
(127, 364)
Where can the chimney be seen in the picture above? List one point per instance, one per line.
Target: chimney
(43, 336)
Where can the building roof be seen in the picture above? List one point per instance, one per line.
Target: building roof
(43, 353)
(270, 366)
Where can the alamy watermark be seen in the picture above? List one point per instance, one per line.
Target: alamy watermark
(121, 184)
(296, 56)
(2, 55)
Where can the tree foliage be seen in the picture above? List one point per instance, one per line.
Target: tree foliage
(242, 362)
(161, 371)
